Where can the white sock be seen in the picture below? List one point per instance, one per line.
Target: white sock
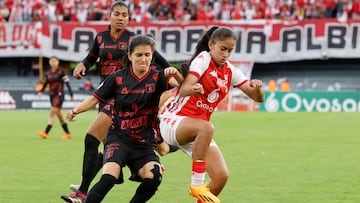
(197, 179)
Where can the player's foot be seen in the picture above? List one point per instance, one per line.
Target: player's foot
(74, 187)
(75, 197)
(203, 194)
(43, 134)
(66, 136)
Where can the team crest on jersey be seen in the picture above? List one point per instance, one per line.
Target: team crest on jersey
(152, 67)
(214, 74)
(155, 76)
(124, 90)
(99, 39)
(109, 55)
(122, 45)
(150, 87)
(134, 106)
(213, 96)
(119, 80)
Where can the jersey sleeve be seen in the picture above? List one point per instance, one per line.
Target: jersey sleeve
(160, 60)
(93, 53)
(238, 77)
(106, 88)
(200, 63)
(163, 80)
(66, 80)
(45, 83)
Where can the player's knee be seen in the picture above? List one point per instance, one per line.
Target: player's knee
(91, 143)
(157, 176)
(207, 129)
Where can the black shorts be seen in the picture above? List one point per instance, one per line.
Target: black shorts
(124, 154)
(107, 107)
(57, 100)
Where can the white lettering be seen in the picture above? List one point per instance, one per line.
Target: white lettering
(323, 105)
(285, 99)
(320, 104)
(309, 107)
(204, 106)
(349, 105)
(336, 107)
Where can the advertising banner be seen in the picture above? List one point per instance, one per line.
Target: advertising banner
(311, 102)
(26, 100)
(257, 41)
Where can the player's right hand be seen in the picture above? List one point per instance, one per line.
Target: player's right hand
(79, 71)
(70, 116)
(198, 89)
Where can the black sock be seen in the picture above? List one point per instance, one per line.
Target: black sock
(65, 127)
(90, 162)
(100, 189)
(99, 164)
(148, 187)
(48, 128)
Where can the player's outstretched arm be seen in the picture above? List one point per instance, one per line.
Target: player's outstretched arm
(85, 105)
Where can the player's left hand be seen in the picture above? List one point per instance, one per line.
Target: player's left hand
(256, 83)
(170, 71)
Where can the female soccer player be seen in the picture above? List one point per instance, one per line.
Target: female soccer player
(56, 78)
(110, 47)
(185, 121)
(131, 140)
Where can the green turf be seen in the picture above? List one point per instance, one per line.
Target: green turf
(272, 158)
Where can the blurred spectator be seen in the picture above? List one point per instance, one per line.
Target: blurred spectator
(82, 13)
(355, 9)
(272, 86)
(4, 12)
(178, 10)
(87, 85)
(16, 12)
(27, 10)
(284, 85)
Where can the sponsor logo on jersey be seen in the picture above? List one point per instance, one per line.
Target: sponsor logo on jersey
(149, 88)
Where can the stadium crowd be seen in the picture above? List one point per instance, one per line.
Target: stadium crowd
(177, 10)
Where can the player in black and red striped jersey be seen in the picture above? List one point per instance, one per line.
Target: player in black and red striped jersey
(131, 140)
(56, 78)
(109, 47)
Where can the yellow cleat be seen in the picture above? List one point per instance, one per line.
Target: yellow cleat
(203, 194)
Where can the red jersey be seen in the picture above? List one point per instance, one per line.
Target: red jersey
(216, 83)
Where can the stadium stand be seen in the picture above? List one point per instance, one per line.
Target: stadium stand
(176, 10)
(314, 75)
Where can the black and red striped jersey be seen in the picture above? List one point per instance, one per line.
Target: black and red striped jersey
(136, 103)
(109, 51)
(56, 80)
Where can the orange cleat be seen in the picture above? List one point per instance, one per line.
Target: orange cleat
(66, 136)
(43, 134)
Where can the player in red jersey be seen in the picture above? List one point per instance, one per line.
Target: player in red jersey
(56, 78)
(185, 120)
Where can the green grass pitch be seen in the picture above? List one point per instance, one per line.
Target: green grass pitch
(272, 158)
